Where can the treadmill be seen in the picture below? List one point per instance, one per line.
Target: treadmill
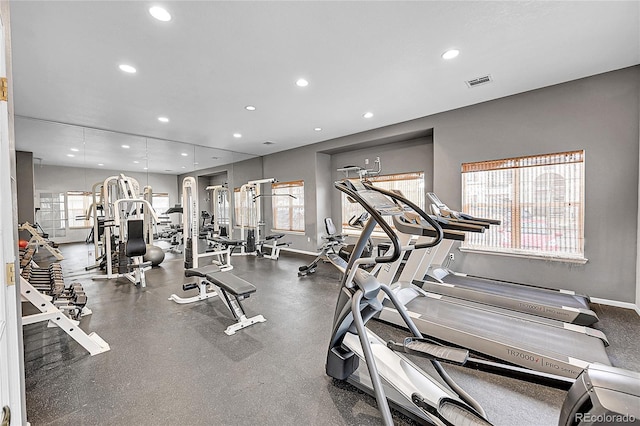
(562, 305)
(532, 343)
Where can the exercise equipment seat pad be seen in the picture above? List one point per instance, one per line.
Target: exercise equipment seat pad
(274, 237)
(231, 283)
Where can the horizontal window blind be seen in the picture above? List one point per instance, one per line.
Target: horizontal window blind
(410, 184)
(288, 205)
(539, 199)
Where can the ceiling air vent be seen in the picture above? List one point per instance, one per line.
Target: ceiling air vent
(485, 79)
(268, 143)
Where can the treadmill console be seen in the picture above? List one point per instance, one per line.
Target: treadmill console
(378, 201)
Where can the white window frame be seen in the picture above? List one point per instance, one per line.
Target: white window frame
(73, 213)
(55, 197)
(289, 196)
(410, 183)
(240, 209)
(160, 207)
(539, 199)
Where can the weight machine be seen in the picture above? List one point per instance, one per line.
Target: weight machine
(221, 217)
(123, 210)
(252, 228)
(191, 231)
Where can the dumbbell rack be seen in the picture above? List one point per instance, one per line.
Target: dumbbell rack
(50, 282)
(51, 279)
(39, 241)
(49, 312)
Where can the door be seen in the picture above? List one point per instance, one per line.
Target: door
(11, 350)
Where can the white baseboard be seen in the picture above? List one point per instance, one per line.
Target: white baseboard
(616, 303)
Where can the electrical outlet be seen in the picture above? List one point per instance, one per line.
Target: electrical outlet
(452, 257)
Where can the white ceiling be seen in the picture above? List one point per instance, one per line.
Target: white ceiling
(213, 58)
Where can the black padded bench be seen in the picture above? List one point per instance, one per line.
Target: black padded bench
(231, 283)
(231, 289)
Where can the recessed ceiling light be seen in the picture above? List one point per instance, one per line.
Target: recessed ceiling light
(302, 82)
(125, 146)
(135, 162)
(127, 68)
(184, 154)
(100, 164)
(317, 129)
(195, 164)
(184, 167)
(160, 14)
(70, 155)
(163, 119)
(367, 115)
(145, 168)
(250, 108)
(450, 54)
(237, 135)
(75, 149)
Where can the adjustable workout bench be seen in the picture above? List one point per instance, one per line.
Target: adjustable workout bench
(224, 284)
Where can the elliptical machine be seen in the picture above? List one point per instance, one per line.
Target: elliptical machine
(600, 395)
(392, 378)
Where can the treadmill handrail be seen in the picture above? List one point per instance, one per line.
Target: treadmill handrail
(347, 189)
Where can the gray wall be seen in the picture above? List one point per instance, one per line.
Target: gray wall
(25, 187)
(404, 156)
(598, 114)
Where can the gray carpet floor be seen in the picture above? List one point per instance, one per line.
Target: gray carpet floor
(172, 364)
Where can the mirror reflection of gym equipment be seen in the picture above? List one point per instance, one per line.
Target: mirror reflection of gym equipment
(213, 278)
(124, 211)
(252, 229)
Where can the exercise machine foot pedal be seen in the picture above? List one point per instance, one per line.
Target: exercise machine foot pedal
(451, 412)
(427, 349)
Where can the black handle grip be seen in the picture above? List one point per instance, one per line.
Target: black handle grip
(189, 286)
(422, 213)
(347, 188)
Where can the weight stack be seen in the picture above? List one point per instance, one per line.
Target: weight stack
(123, 261)
(188, 255)
(251, 241)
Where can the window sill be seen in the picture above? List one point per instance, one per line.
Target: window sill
(578, 260)
(283, 231)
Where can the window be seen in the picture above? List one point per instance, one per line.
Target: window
(51, 214)
(539, 199)
(242, 206)
(160, 202)
(78, 204)
(410, 184)
(287, 202)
